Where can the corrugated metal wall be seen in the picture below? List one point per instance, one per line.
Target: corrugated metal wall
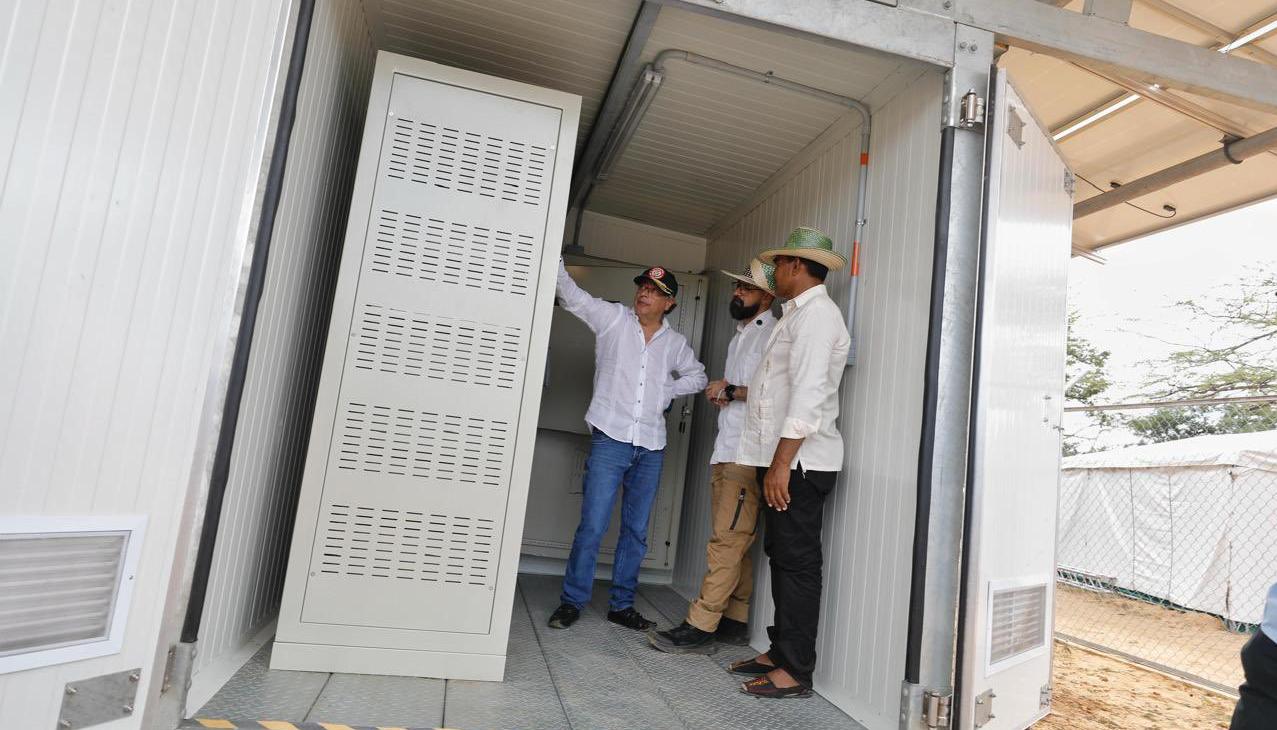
(247, 576)
(869, 517)
(133, 137)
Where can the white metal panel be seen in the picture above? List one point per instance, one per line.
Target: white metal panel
(869, 516)
(132, 140)
(412, 502)
(1013, 493)
(247, 575)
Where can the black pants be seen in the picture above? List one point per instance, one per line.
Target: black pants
(792, 543)
(1257, 707)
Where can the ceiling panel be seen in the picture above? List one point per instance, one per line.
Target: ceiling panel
(570, 45)
(710, 139)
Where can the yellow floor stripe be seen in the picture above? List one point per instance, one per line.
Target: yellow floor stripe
(277, 725)
(331, 726)
(220, 724)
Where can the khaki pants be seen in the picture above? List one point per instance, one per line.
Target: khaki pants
(729, 575)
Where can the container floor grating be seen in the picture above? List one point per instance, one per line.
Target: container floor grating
(594, 676)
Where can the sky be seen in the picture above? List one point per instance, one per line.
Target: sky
(1126, 304)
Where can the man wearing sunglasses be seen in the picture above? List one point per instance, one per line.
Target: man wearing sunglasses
(720, 612)
(640, 367)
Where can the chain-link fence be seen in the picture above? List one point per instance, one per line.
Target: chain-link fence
(1168, 532)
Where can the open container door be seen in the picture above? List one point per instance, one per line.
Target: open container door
(1005, 643)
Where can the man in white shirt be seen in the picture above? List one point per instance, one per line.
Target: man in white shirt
(721, 610)
(1257, 705)
(790, 434)
(640, 366)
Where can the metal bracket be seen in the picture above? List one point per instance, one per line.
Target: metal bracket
(937, 708)
(1015, 126)
(971, 110)
(1070, 183)
(1044, 697)
(96, 700)
(984, 708)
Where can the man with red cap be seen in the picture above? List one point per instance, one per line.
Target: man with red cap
(640, 367)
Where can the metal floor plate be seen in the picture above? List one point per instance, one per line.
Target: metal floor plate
(595, 675)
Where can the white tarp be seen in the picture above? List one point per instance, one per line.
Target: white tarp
(1193, 522)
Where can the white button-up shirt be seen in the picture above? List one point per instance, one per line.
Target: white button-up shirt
(743, 355)
(635, 379)
(794, 392)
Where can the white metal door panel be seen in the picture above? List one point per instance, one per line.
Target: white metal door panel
(563, 440)
(416, 479)
(1006, 658)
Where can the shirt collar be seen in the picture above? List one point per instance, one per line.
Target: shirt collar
(755, 321)
(798, 301)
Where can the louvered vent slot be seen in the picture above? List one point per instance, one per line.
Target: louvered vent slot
(430, 249)
(1018, 622)
(373, 542)
(58, 590)
(467, 162)
(399, 342)
(423, 445)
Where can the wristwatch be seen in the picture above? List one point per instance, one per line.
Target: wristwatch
(730, 392)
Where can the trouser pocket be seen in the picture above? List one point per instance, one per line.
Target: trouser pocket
(740, 504)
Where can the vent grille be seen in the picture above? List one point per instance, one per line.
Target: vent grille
(430, 249)
(406, 545)
(400, 342)
(58, 590)
(422, 444)
(467, 162)
(1017, 621)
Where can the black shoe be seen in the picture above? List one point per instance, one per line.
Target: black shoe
(564, 616)
(630, 619)
(732, 632)
(683, 639)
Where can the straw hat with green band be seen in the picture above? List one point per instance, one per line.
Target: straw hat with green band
(807, 243)
(757, 274)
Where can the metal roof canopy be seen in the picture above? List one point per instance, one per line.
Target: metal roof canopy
(709, 141)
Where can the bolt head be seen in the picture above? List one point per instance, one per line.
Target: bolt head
(135, 677)
(128, 709)
(947, 4)
(962, 45)
(64, 723)
(71, 690)
(974, 47)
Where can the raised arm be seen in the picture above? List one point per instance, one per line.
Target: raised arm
(596, 313)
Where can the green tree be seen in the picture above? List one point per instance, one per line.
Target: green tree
(1085, 380)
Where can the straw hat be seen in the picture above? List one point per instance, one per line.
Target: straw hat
(807, 243)
(757, 274)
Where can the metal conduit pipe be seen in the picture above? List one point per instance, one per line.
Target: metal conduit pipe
(657, 67)
(1232, 153)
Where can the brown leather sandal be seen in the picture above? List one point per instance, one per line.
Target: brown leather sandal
(749, 668)
(763, 688)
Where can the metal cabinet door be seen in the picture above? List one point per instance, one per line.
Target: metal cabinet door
(563, 438)
(1005, 662)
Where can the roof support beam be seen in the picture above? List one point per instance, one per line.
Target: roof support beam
(1145, 57)
(1234, 153)
(1221, 36)
(1118, 11)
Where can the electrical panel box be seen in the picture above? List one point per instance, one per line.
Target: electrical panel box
(405, 551)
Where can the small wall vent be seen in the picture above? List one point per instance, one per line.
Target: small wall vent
(64, 588)
(1017, 622)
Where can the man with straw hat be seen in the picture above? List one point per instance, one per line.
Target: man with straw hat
(640, 365)
(721, 611)
(790, 435)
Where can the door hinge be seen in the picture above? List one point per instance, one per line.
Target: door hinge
(1044, 697)
(984, 708)
(167, 682)
(936, 708)
(971, 110)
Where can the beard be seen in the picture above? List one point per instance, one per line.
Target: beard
(739, 311)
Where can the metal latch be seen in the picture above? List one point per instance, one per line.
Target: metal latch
(936, 708)
(971, 111)
(984, 708)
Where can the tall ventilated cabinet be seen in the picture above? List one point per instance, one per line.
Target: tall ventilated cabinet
(405, 550)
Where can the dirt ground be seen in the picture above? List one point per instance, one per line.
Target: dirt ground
(1189, 642)
(1096, 692)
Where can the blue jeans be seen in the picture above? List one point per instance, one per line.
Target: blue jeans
(610, 465)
